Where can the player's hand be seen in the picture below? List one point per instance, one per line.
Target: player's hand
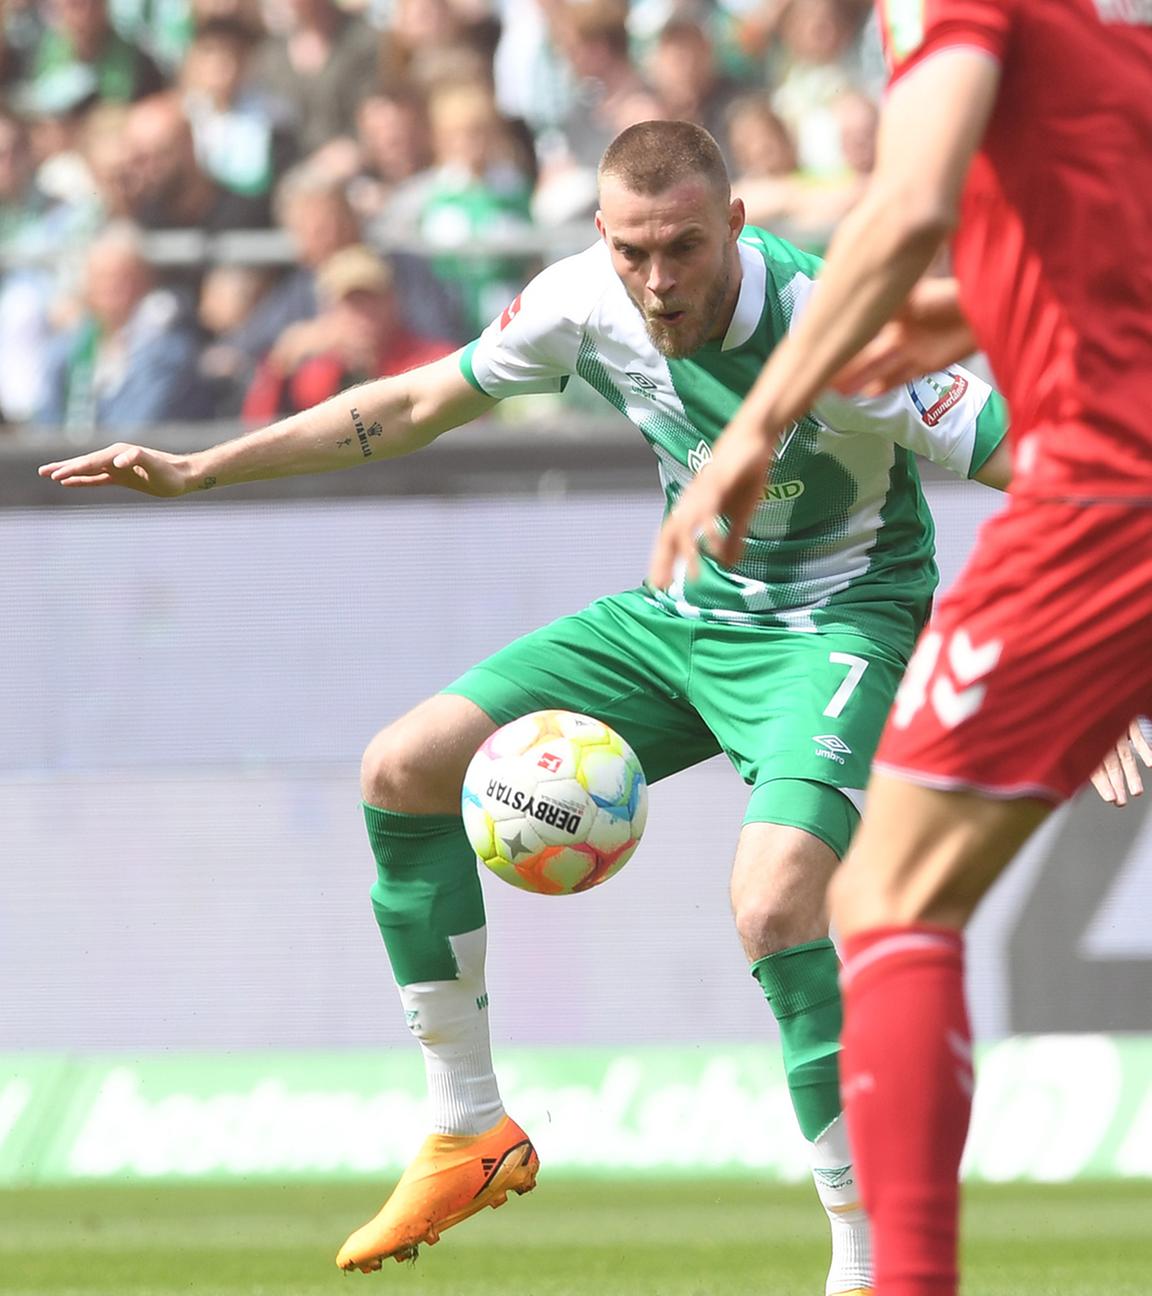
(929, 333)
(716, 508)
(1118, 777)
(150, 471)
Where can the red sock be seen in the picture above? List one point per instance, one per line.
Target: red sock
(906, 1076)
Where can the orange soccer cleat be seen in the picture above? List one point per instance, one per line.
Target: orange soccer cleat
(452, 1177)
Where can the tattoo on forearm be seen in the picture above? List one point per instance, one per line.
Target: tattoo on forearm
(208, 483)
(362, 434)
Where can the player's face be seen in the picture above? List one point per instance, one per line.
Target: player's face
(676, 255)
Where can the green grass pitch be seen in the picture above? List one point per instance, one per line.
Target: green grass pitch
(572, 1237)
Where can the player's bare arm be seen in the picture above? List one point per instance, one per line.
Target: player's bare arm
(930, 128)
(383, 419)
(928, 333)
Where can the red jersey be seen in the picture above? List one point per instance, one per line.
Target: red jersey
(1053, 251)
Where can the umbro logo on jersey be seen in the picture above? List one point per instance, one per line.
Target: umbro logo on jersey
(642, 385)
(831, 747)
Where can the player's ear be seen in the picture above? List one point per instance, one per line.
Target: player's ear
(736, 216)
(600, 227)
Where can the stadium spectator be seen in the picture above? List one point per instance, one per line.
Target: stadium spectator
(474, 191)
(249, 13)
(683, 71)
(131, 360)
(593, 38)
(317, 71)
(163, 28)
(316, 213)
(857, 116)
(229, 296)
(56, 108)
(533, 80)
(319, 221)
(234, 127)
(170, 189)
(23, 203)
(80, 32)
(765, 163)
(818, 66)
(429, 44)
(27, 227)
(603, 91)
(359, 334)
(104, 195)
(393, 144)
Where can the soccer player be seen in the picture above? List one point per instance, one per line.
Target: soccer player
(1027, 128)
(786, 661)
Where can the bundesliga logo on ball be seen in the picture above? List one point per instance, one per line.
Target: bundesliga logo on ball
(555, 802)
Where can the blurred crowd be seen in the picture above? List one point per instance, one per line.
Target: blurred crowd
(410, 156)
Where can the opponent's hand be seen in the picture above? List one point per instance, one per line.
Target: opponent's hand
(716, 508)
(930, 332)
(1118, 777)
(153, 472)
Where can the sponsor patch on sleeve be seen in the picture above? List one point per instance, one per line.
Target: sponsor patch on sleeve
(935, 394)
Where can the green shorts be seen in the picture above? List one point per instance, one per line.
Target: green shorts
(782, 705)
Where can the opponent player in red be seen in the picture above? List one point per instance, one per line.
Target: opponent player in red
(1026, 127)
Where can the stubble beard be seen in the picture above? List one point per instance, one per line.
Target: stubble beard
(674, 342)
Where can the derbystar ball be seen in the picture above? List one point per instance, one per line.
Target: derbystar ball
(555, 802)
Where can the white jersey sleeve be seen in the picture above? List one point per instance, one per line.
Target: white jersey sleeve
(953, 417)
(534, 344)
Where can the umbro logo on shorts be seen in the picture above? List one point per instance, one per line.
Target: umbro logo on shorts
(831, 747)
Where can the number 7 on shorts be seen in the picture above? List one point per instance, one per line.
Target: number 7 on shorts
(856, 668)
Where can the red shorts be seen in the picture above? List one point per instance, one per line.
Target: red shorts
(1034, 663)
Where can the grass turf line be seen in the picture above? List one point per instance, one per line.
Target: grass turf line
(572, 1237)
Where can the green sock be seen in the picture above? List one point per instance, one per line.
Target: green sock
(802, 986)
(426, 890)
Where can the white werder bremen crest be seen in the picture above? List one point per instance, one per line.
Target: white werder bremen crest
(699, 455)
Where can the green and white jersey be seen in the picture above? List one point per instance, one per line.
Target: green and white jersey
(843, 537)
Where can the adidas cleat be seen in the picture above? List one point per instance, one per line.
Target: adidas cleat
(452, 1176)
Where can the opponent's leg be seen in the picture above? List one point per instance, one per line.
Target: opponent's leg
(779, 883)
(918, 867)
(429, 907)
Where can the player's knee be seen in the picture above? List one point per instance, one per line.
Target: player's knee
(396, 769)
(768, 921)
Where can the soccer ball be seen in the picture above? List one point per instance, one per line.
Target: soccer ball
(555, 802)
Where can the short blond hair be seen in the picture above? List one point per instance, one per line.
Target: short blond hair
(652, 156)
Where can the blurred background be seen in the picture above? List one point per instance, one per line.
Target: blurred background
(216, 212)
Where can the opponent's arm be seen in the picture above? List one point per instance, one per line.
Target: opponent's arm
(382, 419)
(929, 332)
